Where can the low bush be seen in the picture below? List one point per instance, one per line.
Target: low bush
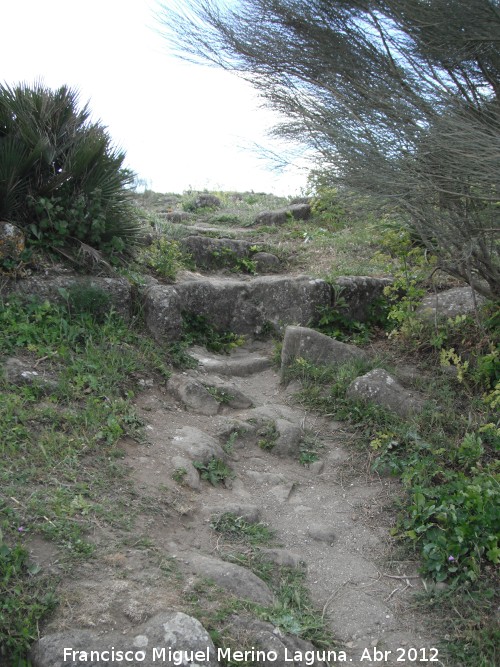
(61, 179)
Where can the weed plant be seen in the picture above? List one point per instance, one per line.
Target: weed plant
(165, 257)
(221, 395)
(236, 528)
(229, 259)
(268, 436)
(215, 471)
(334, 322)
(197, 330)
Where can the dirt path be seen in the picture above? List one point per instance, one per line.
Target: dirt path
(333, 515)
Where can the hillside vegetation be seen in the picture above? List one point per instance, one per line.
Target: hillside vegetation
(62, 472)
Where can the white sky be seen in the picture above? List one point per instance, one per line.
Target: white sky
(181, 125)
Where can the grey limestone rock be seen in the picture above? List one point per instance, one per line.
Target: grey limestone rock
(283, 300)
(360, 295)
(316, 348)
(380, 388)
(193, 395)
(227, 393)
(20, 372)
(148, 644)
(242, 306)
(265, 478)
(450, 303)
(289, 437)
(283, 492)
(239, 581)
(213, 253)
(266, 262)
(207, 200)
(196, 445)
(280, 216)
(321, 533)
(162, 310)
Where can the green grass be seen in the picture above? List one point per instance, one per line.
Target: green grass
(61, 460)
(447, 461)
(463, 618)
(292, 612)
(236, 528)
(26, 595)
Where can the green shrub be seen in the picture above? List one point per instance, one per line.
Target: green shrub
(197, 330)
(269, 436)
(334, 322)
(61, 180)
(165, 257)
(215, 471)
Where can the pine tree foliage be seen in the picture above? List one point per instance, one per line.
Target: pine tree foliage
(399, 98)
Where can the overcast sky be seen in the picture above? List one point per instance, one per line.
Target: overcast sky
(181, 125)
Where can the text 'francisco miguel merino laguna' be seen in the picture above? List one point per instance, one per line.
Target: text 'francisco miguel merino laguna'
(178, 657)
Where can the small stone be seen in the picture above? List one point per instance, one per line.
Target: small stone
(193, 395)
(321, 533)
(283, 492)
(380, 388)
(282, 557)
(316, 467)
(12, 241)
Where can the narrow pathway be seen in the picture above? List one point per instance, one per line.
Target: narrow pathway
(332, 515)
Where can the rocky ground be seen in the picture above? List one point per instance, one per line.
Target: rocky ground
(332, 515)
(164, 582)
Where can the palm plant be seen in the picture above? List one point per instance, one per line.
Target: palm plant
(61, 179)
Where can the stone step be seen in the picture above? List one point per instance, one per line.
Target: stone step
(239, 365)
(246, 307)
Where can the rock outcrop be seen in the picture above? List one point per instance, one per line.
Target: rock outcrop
(278, 217)
(242, 306)
(47, 286)
(450, 303)
(316, 348)
(147, 644)
(362, 295)
(380, 388)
